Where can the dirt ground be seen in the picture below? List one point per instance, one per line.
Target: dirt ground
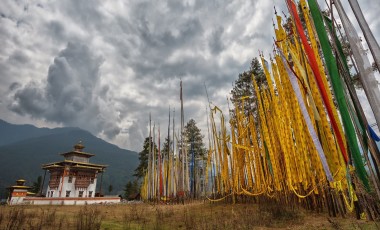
(196, 215)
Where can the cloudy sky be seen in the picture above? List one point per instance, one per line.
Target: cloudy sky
(105, 65)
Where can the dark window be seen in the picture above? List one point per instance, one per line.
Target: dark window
(90, 194)
(80, 193)
(68, 193)
(70, 179)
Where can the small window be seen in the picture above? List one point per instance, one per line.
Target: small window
(91, 180)
(51, 193)
(90, 194)
(70, 179)
(80, 193)
(68, 193)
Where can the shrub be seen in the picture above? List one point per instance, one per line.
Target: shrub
(88, 218)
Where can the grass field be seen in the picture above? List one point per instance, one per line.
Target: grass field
(197, 215)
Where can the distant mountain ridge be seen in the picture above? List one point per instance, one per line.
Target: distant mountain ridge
(24, 148)
(11, 133)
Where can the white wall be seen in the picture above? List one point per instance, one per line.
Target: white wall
(70, 201)
(16, 200)
(71, 187)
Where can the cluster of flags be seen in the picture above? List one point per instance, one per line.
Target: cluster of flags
(173, 175)
(310, 137)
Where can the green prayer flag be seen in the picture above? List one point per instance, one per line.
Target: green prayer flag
(339, 92)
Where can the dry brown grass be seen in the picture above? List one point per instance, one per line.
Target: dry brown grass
(196, 215)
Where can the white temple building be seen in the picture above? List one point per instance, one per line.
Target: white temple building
(73, 180)
(75, 176)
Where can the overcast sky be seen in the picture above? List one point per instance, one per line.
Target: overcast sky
(104, 66)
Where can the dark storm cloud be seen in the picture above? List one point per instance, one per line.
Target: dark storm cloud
(165, 40)
(105, 66)
(18, 57)
(216, 42)
(56, 30)
(70, 96)
(85, 13)
(14, 86)
(147, 47)
(29, 100)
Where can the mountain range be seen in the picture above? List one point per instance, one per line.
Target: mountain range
(24, 148)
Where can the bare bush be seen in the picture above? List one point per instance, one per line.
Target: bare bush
(88, 218)
(15, 218)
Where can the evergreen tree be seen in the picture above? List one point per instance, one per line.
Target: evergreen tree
(132, 187)
(166, 147)
(194, 137)
(36, 185)
(243, 88)
(143, 158)
(110, 189)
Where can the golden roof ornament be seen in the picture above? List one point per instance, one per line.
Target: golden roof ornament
(79, 147)
(20, 182)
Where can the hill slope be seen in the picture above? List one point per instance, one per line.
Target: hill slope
(11, 133)
(24, 155)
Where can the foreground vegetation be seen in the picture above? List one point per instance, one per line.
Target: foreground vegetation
(197, 215)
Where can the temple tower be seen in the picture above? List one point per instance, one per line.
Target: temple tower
(75, 176)
(18, 192)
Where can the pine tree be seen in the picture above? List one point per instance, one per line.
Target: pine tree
(143, 158)
(36, 185)
(110, 189)
(244, 88)
(194, 137)
(132, 187)
(166, 147)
